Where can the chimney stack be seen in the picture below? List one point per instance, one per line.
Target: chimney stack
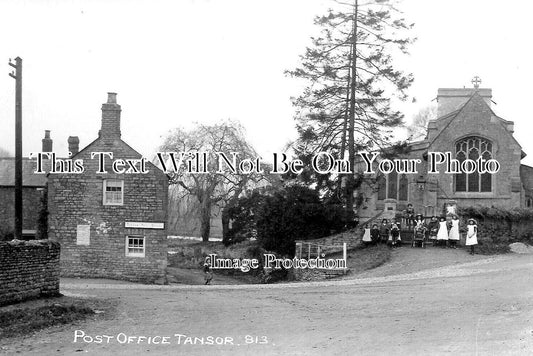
(73, 145)
(110, 118)
(47, 142)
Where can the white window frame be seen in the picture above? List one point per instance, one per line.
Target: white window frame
(104, 195)
(136, 253)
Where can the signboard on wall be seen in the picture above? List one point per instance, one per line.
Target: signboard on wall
(144, 225)
(83, 235)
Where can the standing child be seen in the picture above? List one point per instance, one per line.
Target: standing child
(410, 216)
(433, 228)
(442, 235)
(471, 235)
(208, 275)
(374, 233)
(384, 230)
(367, 239)
(453, 236)
(394, 234)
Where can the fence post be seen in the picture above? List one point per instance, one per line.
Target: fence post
(344, 255)
(308, 251)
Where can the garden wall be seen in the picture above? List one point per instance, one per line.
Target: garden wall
(28, 269)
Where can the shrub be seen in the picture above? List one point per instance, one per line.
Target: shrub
(294, 213)
(243, 216)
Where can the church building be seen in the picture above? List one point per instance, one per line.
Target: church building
(466, 127)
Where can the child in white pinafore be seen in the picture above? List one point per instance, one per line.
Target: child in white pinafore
(453, 235)
(442, 235)
(471, 235)
(367, 239)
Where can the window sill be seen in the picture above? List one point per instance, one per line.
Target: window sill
(473, 195)
(135, 256)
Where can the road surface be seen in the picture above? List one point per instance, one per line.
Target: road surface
(479, 307)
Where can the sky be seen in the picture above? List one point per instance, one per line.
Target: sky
(174, 63)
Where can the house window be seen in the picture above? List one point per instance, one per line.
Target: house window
(473, 148)
(113, 192)
(135, 246)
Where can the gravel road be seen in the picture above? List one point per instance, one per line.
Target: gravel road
(479, 306)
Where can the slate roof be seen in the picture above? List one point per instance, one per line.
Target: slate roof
(29, 179)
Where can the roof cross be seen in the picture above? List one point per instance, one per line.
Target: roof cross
(476, 81)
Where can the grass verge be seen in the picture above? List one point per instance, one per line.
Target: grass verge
(366, 258)
(28, 317)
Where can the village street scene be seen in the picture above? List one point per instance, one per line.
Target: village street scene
(276, 178)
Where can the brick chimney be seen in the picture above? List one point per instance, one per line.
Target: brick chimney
(73, 145)
(110, 117)
(47, 142)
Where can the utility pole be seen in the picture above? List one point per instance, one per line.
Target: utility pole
(17, 75)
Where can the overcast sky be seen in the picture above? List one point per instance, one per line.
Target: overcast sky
(176, 62)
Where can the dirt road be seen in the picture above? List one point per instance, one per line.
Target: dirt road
(483, 307)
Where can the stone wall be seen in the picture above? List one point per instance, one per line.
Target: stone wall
(328, 246)
(28, 269)
(315, 274)
(76, 200)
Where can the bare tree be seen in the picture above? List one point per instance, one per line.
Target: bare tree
(212, 188)
(417, 130)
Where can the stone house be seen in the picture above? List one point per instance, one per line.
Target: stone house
(113, 224)
(467, 128)
(33, 193)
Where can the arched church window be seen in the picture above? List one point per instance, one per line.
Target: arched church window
(382, 188)
(393, 185)
(402, 190)
(472, 148)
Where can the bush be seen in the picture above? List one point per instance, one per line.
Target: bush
(294, 213)
(496, 213)
(243, 216)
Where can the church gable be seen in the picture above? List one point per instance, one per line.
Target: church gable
(467, 128)
(476, 118)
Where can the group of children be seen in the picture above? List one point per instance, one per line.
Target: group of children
(440, 231)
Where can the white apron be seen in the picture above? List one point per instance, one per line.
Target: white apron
(454, 231)
(471, 235)
(366, 236)
(443, 231)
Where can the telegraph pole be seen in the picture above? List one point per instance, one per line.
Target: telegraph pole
(17, 75)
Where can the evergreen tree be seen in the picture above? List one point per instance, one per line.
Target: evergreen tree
(347, 104)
